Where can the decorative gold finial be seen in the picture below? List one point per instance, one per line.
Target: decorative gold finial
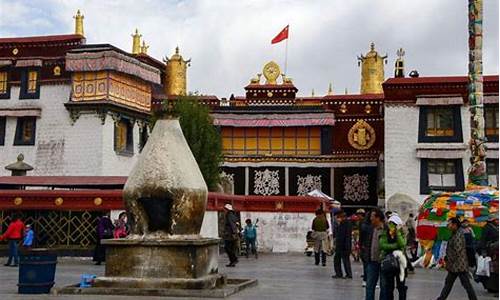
(78, 23)
(312, 93)
(176, 74)
(399, 66)
(330, 89)
(345, 91)
(372, 71)
(136, 42)
(144, 47)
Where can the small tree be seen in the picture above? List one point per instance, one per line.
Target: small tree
(201, 135)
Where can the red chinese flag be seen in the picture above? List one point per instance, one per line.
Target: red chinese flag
(283, 35)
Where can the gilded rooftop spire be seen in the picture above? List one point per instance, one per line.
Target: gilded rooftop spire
(144, 47)
(78, 23)
(372, 71)
(330, 89)
(136, 42)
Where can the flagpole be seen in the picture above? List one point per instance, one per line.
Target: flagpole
(286, 51)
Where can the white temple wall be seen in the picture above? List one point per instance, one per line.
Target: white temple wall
(280, 232)
(402, 167)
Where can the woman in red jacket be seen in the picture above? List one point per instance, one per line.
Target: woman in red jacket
(14, 234)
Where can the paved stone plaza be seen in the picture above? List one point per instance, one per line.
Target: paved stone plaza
(290, 276)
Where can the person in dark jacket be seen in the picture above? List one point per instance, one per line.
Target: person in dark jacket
(343, 246)
(231, 234)
(377, 220)
(365, 230)
(456, 262)
(320, 235)
(488, 236)
(104, 231)
(14, 234)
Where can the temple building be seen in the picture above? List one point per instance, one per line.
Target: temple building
(277, 143)
(427, 129)
(80, 114)
(72, 108)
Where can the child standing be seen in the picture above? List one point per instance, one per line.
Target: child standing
(250, 235)
(29, 235)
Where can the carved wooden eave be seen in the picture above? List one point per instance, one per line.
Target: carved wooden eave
(103, 109)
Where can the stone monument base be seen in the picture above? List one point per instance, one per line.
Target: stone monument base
(181, 263)
(182, 267)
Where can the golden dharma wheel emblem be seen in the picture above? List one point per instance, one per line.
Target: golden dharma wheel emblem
(15, 51)
(368, 108)
(361, 136)
(59, 201)
(97, 201)
(271, 72)
(18, 201)
(57, 71)
(269, 94)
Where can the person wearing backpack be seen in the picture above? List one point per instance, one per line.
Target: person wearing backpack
(392, 246)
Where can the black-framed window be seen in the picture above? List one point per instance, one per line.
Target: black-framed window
(441, 175)
(25, 131)
(491, 122)
(30, 84)
(492, 171)
(440, 124)
(124, 137)
(4, 84)
(3, 122)
(143, 137)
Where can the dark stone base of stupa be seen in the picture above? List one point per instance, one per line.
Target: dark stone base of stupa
(183, 267)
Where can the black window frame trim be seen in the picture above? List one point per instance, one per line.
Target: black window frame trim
(7, 69)
(23, 91)
(424, 176)
(457, 125)
(17, 137)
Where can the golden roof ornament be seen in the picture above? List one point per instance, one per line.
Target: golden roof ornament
(399, 66)
(176, 74)
(330, 89)
(372, 71)
(78, 23)
(312, 93)
(136, 42)
(144, 47)
(271, 72)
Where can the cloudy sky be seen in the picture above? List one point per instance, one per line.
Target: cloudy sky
(229, 41)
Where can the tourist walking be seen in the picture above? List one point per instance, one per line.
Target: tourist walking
(29, 236)
(320, 235)
(373, 254)
(231, 234)
(392, 247)
(14, 234)
(121, 226)
(250, 236)
(343, 246)
(456, 262)
(104, 231)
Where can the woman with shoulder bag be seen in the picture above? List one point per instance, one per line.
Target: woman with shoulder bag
(393, 265)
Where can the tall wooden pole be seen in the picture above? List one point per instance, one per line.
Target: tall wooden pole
(477, 171)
